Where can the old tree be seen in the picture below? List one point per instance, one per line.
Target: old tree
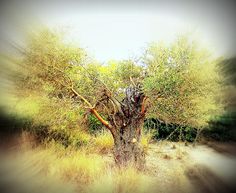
(178, 83)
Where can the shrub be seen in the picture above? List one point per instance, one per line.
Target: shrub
(94, 124)
(221, 128)
(173, 132)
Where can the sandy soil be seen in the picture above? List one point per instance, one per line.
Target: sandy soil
(193, 169)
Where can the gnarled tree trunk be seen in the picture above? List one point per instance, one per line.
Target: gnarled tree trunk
(127, 146)
(128, 123)
(125, 124)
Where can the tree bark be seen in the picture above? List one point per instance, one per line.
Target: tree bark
(128, 126)
(127, 146)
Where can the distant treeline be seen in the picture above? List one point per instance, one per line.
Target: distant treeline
(221, 129)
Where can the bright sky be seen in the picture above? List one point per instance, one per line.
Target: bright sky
(119, 35)
(123, 30)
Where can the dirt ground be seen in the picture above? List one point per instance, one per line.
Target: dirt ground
(188, 168)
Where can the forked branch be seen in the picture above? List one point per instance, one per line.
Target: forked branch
(94, 112)
(91, 107)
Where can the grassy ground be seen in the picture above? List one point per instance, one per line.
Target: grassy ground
(171, 167)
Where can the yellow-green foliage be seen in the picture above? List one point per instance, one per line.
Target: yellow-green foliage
(58, 119)
(26, 107)
(116, 75)
(183, 83)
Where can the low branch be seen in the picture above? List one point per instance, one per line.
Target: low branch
(92, 110)
(104, 122)
(96, 114)
(143, 107)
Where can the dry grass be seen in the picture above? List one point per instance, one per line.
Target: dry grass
(103, 143)
(91, 168)
(122, 181)
(87, 172)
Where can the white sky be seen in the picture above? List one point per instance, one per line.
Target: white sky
(120, 31)
(118, 35)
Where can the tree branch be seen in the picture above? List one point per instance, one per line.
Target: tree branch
(92, 108)
(143, 109)
(115, 102)
(95, 113)
(110, 94)
(81, 97)
(104, 122)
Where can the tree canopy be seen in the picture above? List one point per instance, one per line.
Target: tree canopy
(181, 80)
